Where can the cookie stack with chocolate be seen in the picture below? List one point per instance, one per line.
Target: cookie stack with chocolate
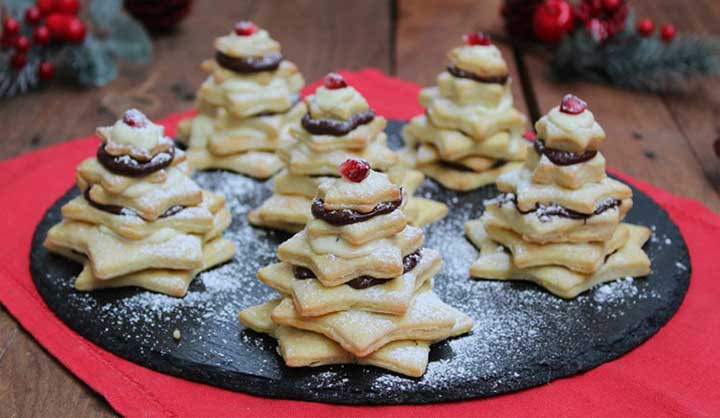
(140, 220)
(356, 283)
(470, 132)
(245, 104)
(338, 124)
(558, 221)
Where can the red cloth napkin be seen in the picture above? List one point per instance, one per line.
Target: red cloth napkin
(675, 373)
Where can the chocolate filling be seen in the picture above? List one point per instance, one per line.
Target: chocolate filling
(126, 165)
(119, 210)
(460, 167)
(410, 261)
(494, 79)
(559, 157)
(545, 212)
(249, 65)
(342, 217)
(321, 126)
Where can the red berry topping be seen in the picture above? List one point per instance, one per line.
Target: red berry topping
(668, 32)
(477, 38)
(645, 26)
(70, 7)
(529, 135)
(75, 30)
(45, 70)
(355, 169)
(33, 15)
(18, 61)
(56, 24)
(11, 27)
(245, 28)
(334, 81)
(135, 119)
(41, 35)
(22, 44)
(572, 105)
(46, 6)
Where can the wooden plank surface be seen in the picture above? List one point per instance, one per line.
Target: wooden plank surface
(317, 35)
(664, 140)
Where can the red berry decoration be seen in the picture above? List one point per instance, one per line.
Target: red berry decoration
(33, 15)
(18, 61)
(477, 38)
(355, 169)
(75, 30)
(56, 24)
(333, 81)
(45, 70)
(46, 6)
(529, 135)
(645, 26)
(11, 27)
(245, 28)
(553, 20)
(41, 35)
(668, 32)
(22, 44)
(70, 7)
(611, 5)
(572, 105)
(135, 119)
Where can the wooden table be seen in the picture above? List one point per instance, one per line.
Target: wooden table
(664, 140)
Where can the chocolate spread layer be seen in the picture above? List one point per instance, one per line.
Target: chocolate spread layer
(340, 217)
(545, 212)
(494, 79)
(322, 126)
(249, 65)
(126, 165)
(559, 157)
(410, 261)
(459, 167)
(119, 210)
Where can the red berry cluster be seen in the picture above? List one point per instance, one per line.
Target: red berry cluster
(53, 21)
(355, 169)
(646, 27)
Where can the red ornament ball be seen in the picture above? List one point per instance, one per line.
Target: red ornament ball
(56, 24)
(41, 35)
(135, 119)
(553, 20)
(74, 30)
(71, 7)
(355, 169)
(11, 27)
(333, 81)
(611, 5)
(21, 44)
(668, 32)
(477, 38)
(33, 15)
(645, 26)
(572, 105)
(598, 30)
(45, 70)
(46, 6)
(18, 61)
(245, 28)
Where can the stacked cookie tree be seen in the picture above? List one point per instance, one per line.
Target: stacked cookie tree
(339, 124)
(470, 132)
(356, 283)
(140, 220)
(251, 95)
(557, 221)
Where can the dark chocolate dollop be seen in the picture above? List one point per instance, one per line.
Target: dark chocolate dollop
(564, 158)
(126, 165)
(342, 217)
(496, 79)
(322, 126)
(249, 65)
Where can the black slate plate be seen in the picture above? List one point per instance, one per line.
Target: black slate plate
(523, 336)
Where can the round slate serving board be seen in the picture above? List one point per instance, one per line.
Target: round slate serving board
(523, 336)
